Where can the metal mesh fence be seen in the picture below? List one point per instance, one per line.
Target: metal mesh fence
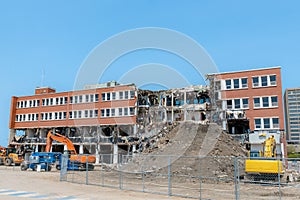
(195, 177)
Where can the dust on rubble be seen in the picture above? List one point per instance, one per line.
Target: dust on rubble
(192, 149)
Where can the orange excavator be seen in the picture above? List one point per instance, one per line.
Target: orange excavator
(74, 157)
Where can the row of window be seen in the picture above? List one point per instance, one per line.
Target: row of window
(55, 101)
(87, 98)
(237, 83)
(238, 103)
(115, 112)
(76, 114)
(257, 81)
(79, 114)
(27, 117)
(265, 102)
(120, 95)
(264, 81)
(266, 123)
(28, 103)
(259, 102)
(294, 92)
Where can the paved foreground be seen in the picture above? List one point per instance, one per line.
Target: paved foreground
(16, 184)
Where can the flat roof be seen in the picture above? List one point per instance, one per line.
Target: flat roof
(248, 70)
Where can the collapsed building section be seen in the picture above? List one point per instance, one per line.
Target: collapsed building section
(156, 108)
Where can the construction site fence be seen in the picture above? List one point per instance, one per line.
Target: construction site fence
(189, 177)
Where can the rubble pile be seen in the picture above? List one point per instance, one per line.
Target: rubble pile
(191, 149)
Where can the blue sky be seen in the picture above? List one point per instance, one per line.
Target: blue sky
(54, 38)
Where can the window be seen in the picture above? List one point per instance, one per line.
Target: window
(244, 82)
(86, 113)
(75, 99)
(255, 82)
(264, 81)
(56, 115)
(113, 96)
(275, 122)
(228, 84)
(70, 114)
(107, 112)
(245, 103)
(229, 104)
(126, 95)
(113, 112)
(75, 114)
(265, 102)
(236, 83)
(87, 98)
(256, 102)
(71, 99)
(91, 114)
(267, 123)
(274, 101)
(125, 111)
(96, 97)
(273, 80)
(120, 112)
(131, 110)
(132, 94)
(102, 112)
(92, 97)
(80, 99)
(103, 96)
(108, 96)
(121, 94)
(79, 114)
(237, 103)
(96, 113)
(37, 102)
(257, 123)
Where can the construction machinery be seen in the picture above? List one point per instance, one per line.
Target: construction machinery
(264, 165)
(41, 160)
(9, 156)
(80, 160)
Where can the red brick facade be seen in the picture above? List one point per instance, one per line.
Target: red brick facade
(48, 109)
(250, 92)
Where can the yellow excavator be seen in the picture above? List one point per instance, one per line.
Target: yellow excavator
(9, 156)
(264, 165)
(79, 159)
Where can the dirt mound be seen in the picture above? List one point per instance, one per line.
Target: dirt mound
(191, 149)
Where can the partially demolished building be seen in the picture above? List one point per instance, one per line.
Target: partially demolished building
(111, 118)
(102, 119)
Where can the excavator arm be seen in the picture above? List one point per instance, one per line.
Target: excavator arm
(71, 149)
(60, 138)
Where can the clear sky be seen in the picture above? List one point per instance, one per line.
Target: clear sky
(44, 43)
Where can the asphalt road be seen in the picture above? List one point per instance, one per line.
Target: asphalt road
(16, 184)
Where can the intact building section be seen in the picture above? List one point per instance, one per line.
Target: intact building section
(251, 101)
(292, 114)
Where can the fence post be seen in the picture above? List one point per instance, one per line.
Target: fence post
(236, 178)
(120, 178)
(87, 170)
(143, 178)
(200, 179)
(169, 178)
(279, 171)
